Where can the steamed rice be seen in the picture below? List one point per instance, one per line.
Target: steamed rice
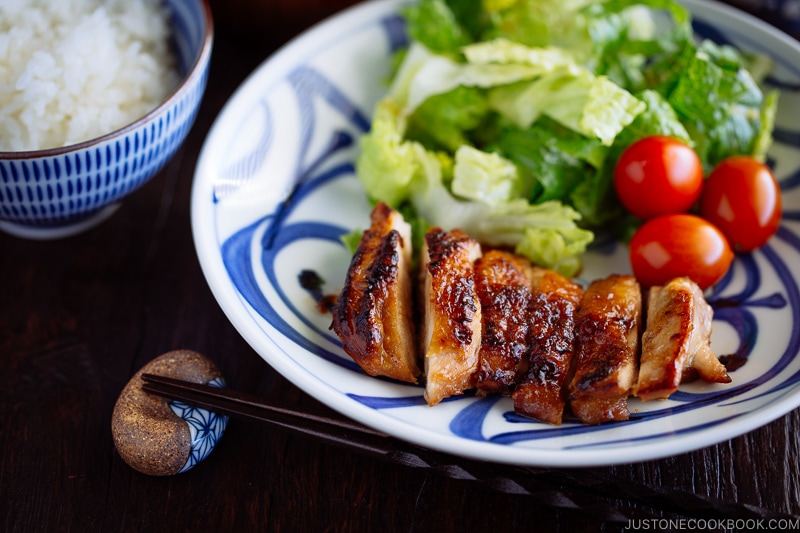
(72, 70)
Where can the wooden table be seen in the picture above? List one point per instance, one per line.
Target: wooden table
(79, 316)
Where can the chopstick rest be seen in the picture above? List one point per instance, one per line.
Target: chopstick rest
(159, 437)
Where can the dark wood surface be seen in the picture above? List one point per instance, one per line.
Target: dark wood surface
(79, 316)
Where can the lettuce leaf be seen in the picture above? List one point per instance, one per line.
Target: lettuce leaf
(506, 117)
(402, 172)
(484, 177)
(546, 233)
(433, 23)
(552, 159)
(625, 36)
(541, 23)
(424, 74)
(447, 121)
(720, 104)
(387, 162)
(563, 90)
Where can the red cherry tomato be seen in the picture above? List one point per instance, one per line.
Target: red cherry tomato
(742, 198)
(658, 175)
(676, 245)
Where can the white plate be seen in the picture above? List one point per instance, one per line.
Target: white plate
(274, 190)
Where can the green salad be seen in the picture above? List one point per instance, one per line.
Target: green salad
(505, 118)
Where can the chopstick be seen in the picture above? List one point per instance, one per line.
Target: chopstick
(585, 491)
(241, 405)
(354, 436)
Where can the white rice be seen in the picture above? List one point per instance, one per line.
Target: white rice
(73, 70)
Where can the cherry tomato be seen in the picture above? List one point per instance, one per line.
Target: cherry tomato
(676, 245)
(658, 175)
(742, 198)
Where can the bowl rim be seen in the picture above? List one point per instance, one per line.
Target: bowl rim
(193, 73)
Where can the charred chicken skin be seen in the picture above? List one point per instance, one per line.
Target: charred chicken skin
(374, 313)
(554, 300)
(504, 292)
(607, 328)
(451, 329)
(498, 324)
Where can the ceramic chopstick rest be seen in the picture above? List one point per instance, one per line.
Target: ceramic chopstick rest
(159, 437)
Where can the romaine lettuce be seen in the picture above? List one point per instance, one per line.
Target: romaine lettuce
(506, 117)
(563, 90)
(387, 163)
(720, 104)
(546, 233)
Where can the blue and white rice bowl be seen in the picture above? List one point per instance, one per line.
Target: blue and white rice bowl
(58, 192)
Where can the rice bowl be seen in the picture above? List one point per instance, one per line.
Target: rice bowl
(76, 69)
(55, 191)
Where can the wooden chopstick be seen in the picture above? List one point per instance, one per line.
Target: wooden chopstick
(586, 491)
(355, 436)
(244, 406)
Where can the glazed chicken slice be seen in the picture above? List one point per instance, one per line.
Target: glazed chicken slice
(504, 292)
(374, 313)
(677, 337)
(451, 328)
(607, 326)
(541, 394)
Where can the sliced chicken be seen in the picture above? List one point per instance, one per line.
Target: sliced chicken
(374, 313)
(677, 337)
(504, 292)
(451, 335)
(708, 366)
(542, 392)
(607, 328)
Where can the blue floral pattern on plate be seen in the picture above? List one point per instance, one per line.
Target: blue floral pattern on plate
(275, 190)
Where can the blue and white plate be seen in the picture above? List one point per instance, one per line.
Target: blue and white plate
(275, 188)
